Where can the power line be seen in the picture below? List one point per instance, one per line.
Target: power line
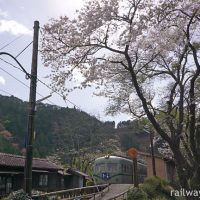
(23, 83)
(22, 70)
(6, 92)
(23, 50)
(64, 99)
(28, 75)
(14, 77)
(8, 54)
(11, 42)
(11, 64)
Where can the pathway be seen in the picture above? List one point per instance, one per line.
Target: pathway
(114, 190)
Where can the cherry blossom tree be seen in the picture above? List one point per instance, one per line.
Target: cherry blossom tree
(162, 147)
(143, 55)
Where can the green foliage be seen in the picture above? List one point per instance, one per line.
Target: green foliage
(90, 183)
(156, 187)
(57, 130)
(66, 133)
(153, 188)
(194, 181)
(13, 113)
(196, 45)
(137, 194)
(82, 164)
(6, 146)
(18, 195)
(44, 198)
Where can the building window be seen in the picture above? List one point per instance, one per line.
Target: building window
(2, 185)
(8, 184)
(43, 180)
(62, 182)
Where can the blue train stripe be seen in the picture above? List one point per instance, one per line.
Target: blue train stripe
(120, 174)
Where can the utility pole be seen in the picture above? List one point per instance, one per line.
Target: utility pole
(133, 153)
(152, 154)
(31, 113)
(152, 150)
(135, 172)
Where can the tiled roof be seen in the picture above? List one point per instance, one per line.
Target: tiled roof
(12, 160)
(77, 172)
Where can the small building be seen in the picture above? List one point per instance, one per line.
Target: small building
(165, 168)
(75, 178)
(46, 176)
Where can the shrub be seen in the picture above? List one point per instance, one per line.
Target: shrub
(37, 193)
(18, 195)
(44, 198)
(137, 194)
(90, 183)
(156, 187)
(21, 195)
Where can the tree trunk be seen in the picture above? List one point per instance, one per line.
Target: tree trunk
(182, 171)
(195, 180)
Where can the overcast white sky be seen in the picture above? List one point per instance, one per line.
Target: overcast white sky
(16, 19)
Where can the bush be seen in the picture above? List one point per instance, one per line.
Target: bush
(156, 187)
(137, 194)
(21, 195)
(90, 183)
(18, 195)
(37, 193)
(45, 198)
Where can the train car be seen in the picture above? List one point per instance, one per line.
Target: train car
(115, 169)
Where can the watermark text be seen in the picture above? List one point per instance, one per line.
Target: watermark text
(185, 193)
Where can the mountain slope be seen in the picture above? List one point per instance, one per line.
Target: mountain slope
(66, 135)
(57, 129)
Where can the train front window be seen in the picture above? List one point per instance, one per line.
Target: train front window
(112, 167)
(130, 168)
(100, 167)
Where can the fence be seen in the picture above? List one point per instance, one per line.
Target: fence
(75, 193)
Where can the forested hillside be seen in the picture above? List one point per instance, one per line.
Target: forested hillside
(64, 132)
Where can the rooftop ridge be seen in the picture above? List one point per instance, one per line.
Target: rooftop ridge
(19, 156)
(8, 159)
(11, 155)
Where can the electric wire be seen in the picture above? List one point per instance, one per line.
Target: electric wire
(14, 77)
(23, 50)
(28, 75)
(3, 47)
(23, 69)
(65, 99)
(24, 84)
(27, 86)
(6, 92)
(53, 91)
(11, 64)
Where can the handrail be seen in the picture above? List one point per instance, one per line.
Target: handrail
(92, 195)
(75, 192)
(121, 194)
